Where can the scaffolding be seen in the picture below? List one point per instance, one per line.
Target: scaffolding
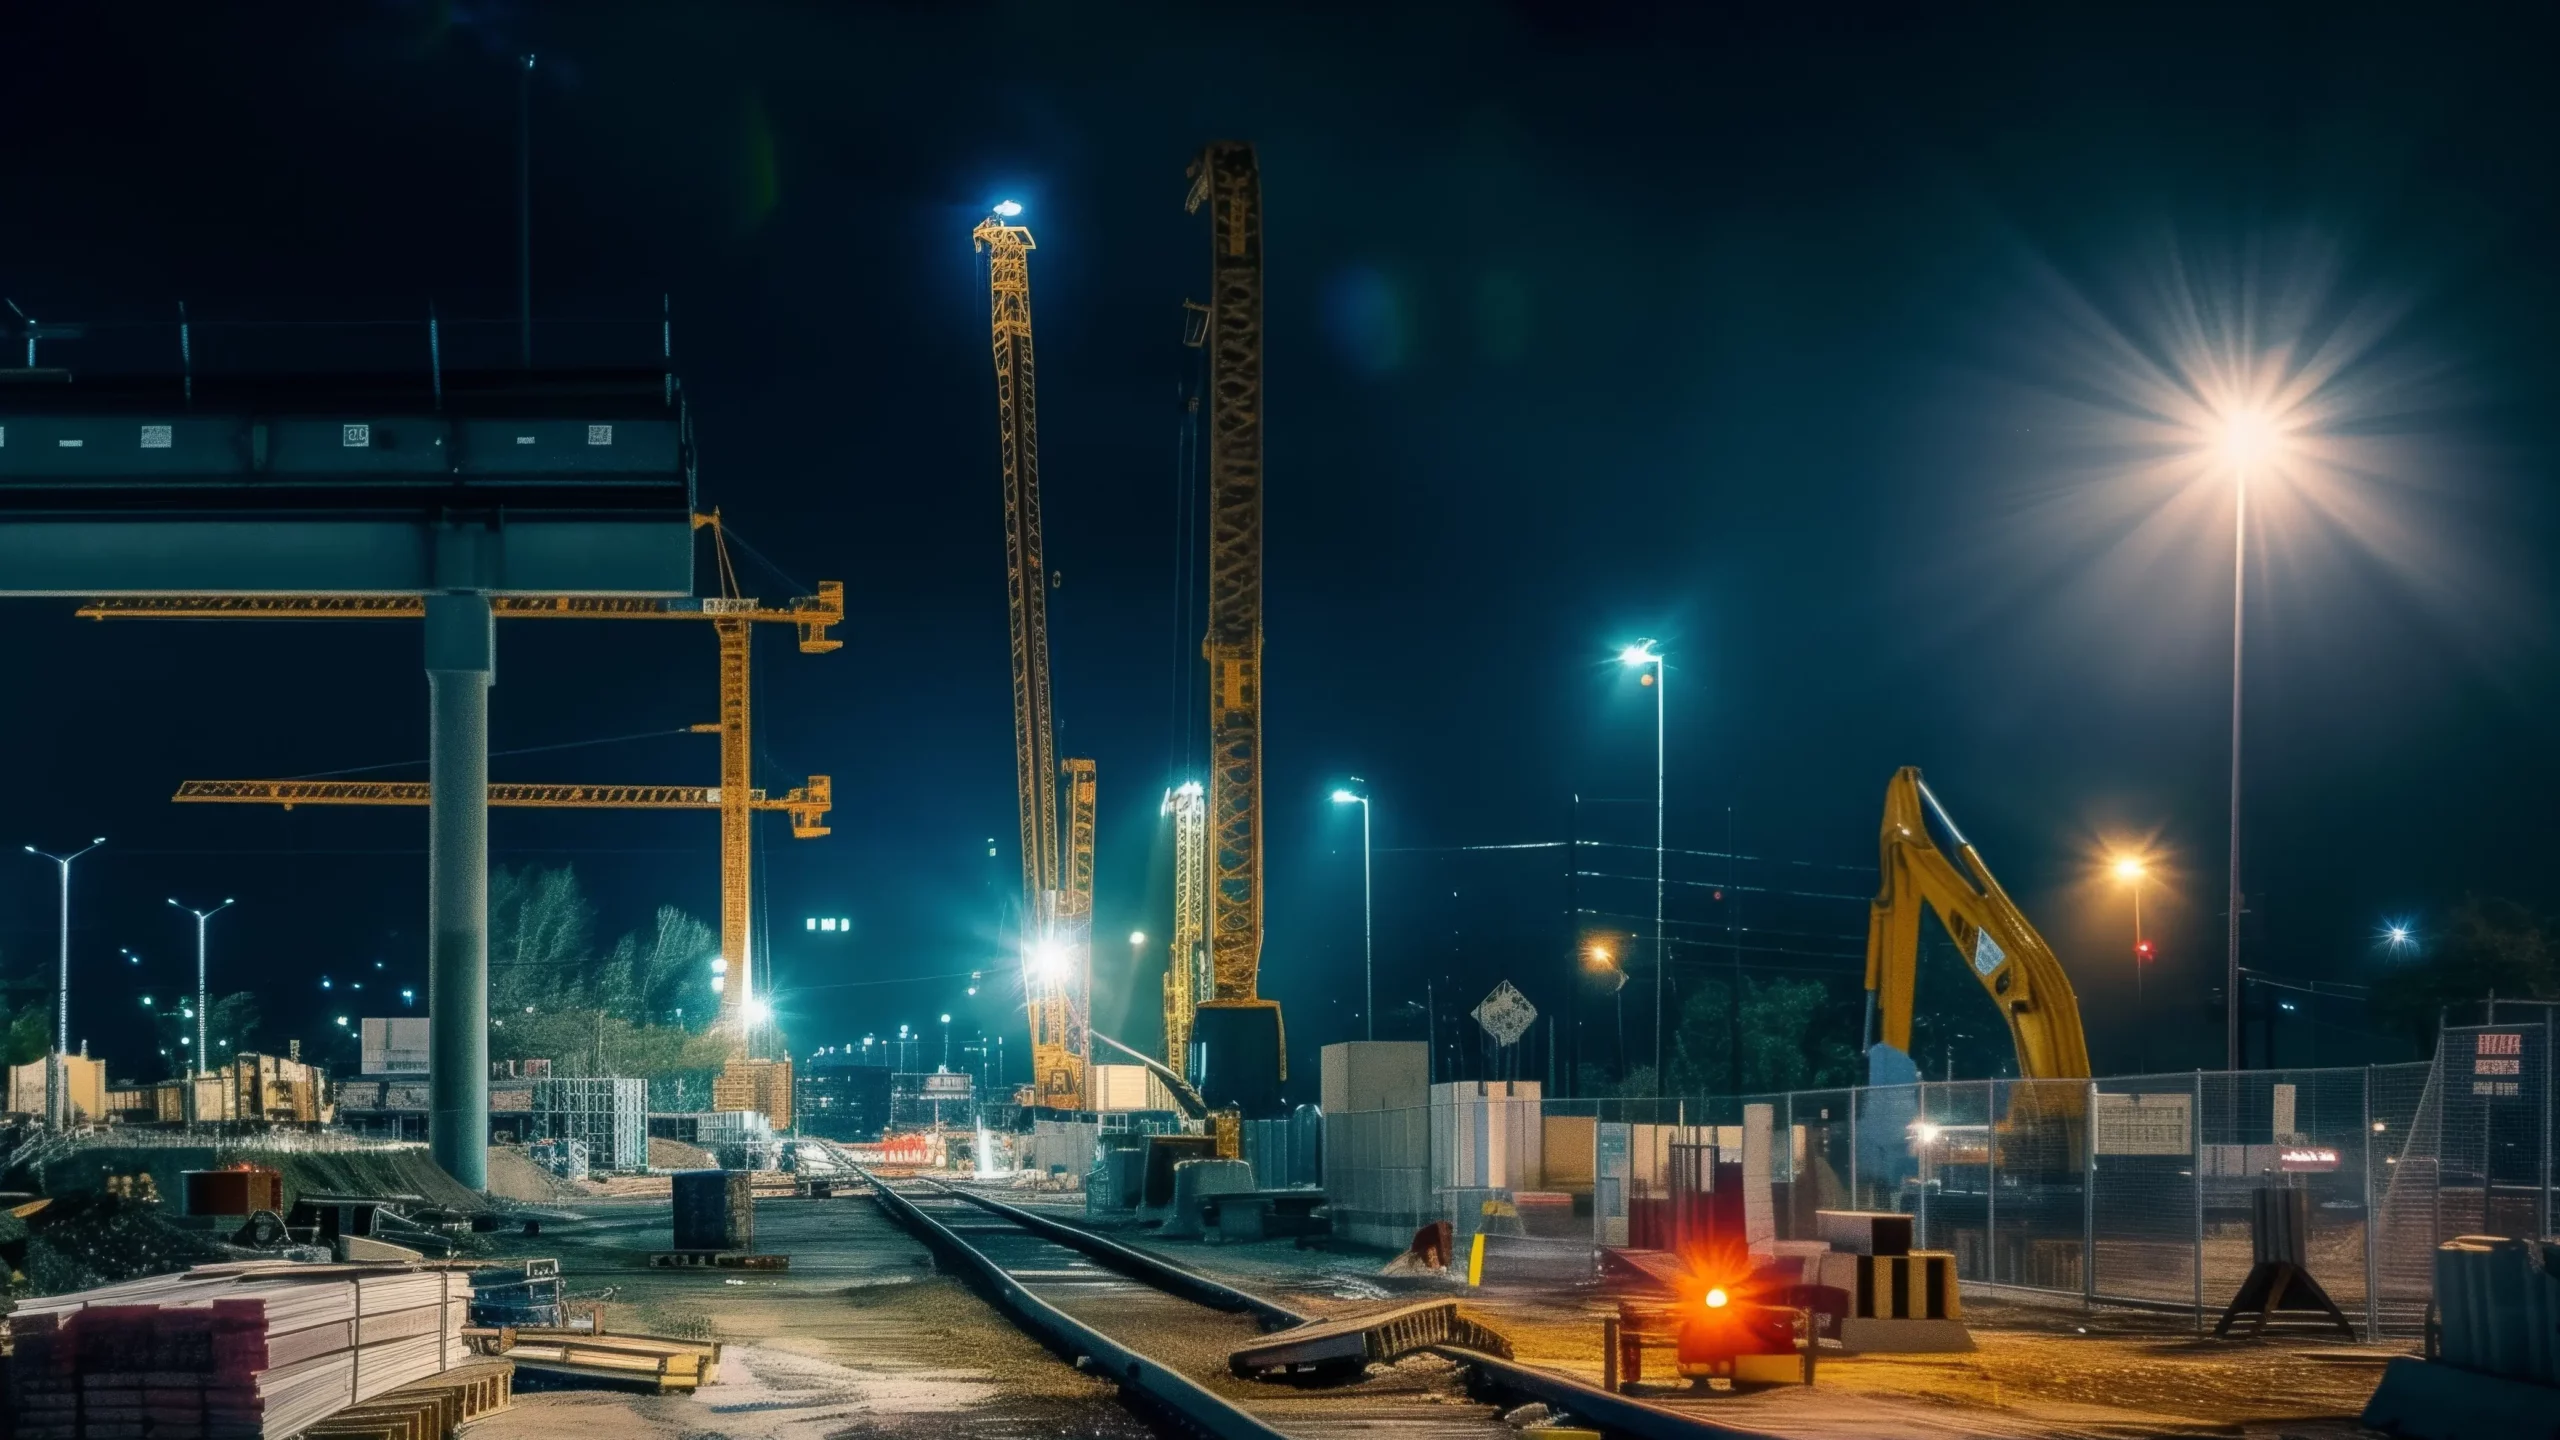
(610, 1117)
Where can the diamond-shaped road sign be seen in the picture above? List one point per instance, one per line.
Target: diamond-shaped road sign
(1506, 1014)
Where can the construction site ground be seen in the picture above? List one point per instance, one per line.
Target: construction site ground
(861, 1337)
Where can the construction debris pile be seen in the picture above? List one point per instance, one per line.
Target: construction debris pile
(227, 1352)
(87, 1240)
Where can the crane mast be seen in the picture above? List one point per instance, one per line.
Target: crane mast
(1186, 971)
(1057, 859)
(1243, 1058)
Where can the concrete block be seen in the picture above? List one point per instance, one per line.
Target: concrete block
(1864, 1335)
(1194, 1181)
(1373, 1075)
(1864, 1232)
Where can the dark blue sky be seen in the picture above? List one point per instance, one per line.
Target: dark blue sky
(1766, 334)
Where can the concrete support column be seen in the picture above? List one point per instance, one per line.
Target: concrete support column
(460, 668)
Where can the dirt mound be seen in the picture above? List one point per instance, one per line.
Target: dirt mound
(88, 1240)
(665, 1154)
(514, 1176)
(402, 1171)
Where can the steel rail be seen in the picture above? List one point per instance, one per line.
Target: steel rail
(1614, 1414)
(1155, 1384)
(1154, 1270)
(1618, 1415)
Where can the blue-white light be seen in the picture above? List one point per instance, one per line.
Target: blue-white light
(1008, 208)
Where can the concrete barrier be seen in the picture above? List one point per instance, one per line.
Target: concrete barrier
(1194, 1181)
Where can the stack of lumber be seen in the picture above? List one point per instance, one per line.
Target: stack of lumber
(231, 1352)
(643, 1362)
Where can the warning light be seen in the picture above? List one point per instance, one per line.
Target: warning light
(1716, 1298)
(2142, 950)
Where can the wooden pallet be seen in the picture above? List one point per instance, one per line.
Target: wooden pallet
(718, 1260)
(428, 1410)
(1356, 1341)
(645, 1362)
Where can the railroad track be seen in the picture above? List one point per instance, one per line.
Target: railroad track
(1166, 1336)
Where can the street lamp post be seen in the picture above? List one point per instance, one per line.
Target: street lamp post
(2133, 872)
(2248, 440)
(204, 1058)
(1642, 654)
(1601, 959)
(1368, 953)
(58, 1080)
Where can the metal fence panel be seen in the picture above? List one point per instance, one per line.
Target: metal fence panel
(2144, 1202)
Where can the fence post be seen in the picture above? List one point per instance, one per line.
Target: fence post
(1795, 1178)
(2089, 1203)
(1991, 1181)
(1856, 1201)
(2196, 1138)
(2372, 1222)
(2548, 1088)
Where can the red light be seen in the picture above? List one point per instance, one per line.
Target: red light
(2142, 951)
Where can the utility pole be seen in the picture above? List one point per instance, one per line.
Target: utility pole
(524, 211)
(204, 1058)
(57, 1075)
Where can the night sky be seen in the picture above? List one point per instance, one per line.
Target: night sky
(1825, 347)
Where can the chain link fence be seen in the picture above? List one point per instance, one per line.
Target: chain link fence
(2127, 1190)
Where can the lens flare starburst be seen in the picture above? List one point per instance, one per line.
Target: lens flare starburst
(2132, 401)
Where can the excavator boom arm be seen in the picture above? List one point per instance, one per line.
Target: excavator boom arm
(2001, 949)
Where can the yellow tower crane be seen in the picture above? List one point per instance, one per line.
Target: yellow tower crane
(1057, 859)
(1244, 1057)
(732, 617)
(1186, 971)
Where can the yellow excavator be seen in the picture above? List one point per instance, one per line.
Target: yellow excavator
(2012, 962)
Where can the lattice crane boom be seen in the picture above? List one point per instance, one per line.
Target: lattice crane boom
(807, 805)
(1227, 179)
(1057, 850)
(814, 614)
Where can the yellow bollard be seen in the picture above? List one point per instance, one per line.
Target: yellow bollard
(1475, 1260)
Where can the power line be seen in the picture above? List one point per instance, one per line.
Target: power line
(1727, 855)
(729, 533)
(1720, 885)
(500, 754)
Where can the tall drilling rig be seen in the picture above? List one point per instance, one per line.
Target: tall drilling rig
(1057, 860)
(1243, 1059)
(1186, 971)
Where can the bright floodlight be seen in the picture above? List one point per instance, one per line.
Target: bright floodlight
(759, 1012)
(1049, 961)
(1345, 797)
(2248, 439)
(2130, 869)
(1640, 653)
(1137, 937)
(1008, 208)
